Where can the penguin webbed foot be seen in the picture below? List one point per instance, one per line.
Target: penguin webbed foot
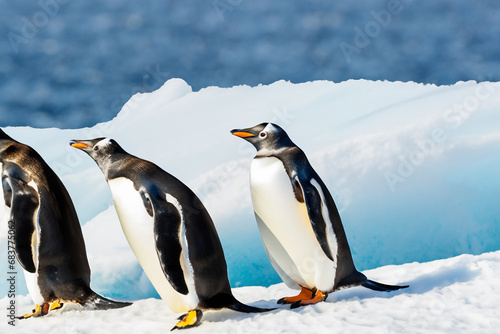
(318, 296)
(305, 297)
(38, 311)
(188, 320)
(304, 294)
(56, 305)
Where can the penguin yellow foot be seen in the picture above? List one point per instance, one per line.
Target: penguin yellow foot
(37, 312)
(318, 297)
(56, 305)
(43, 310)
(304, 294)
(191, 319)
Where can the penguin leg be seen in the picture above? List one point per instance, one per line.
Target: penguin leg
(304, 294)
(188, 320)
(318, 297)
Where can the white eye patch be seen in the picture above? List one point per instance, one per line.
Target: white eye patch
(103, 143)
(270, 128)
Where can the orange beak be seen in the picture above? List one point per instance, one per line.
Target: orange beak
(243, 134)
(79, 144)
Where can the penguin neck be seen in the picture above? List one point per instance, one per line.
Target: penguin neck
(265, 152)
(106, 164)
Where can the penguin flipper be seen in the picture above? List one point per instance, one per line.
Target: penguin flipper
(7, 192)
(315, 207)
(24, 203)
(167, 224)
(382, 287)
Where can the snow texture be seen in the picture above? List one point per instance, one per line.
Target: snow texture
(456, 295)
(413, 169)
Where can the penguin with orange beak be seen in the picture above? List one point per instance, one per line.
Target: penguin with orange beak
(298, 220)
(169, 231)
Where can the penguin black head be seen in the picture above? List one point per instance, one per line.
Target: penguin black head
(266, 137)
(101, 150)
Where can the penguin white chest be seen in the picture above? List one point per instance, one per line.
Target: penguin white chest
(286, 229)
(138, 227)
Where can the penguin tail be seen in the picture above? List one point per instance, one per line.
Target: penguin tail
(240, 307)
(98, 302)
(227, 300)
(382, 287)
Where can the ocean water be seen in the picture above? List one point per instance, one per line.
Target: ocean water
(69, 64)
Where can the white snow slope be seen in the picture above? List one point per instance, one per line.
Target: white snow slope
(456, 295)
(413, 169)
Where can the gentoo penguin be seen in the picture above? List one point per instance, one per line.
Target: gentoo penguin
(48, 238)
(298, 221)
(169, 231)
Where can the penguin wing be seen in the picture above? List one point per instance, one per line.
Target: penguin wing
(308, 193)
(167, 224)
(24, 203)
(7, 192)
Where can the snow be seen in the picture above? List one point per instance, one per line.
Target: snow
(413, 169)
(455, 295)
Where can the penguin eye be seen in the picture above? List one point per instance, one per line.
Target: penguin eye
(263, 134)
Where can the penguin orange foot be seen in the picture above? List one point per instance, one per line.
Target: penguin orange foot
(316, 298)
(57, 304)
(305, 297)
(304, 294)
(188, 320)
(37, 312)
(44, 309)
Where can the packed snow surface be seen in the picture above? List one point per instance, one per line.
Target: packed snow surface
(456, 295)
(413, 169)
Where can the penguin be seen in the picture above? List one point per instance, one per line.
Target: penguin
(170, 232)
(48, 240)
(298, 221)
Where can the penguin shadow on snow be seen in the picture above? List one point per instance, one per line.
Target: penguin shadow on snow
(439, 278)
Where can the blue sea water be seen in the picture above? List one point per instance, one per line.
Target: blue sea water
(68, 63)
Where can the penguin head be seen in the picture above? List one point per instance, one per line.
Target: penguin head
(266, 137)
(102, 150)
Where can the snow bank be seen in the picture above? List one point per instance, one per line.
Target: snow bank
(413, 168)
(456, 295)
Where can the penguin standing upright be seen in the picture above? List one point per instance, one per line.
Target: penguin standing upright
(169, 231)
(48, 239)
(298, 221)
